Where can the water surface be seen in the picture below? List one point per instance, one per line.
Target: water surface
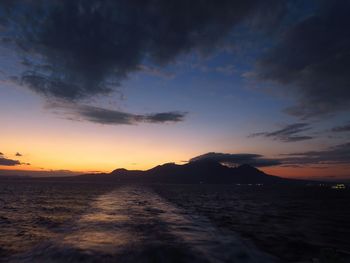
(90, 222)
(125, 224)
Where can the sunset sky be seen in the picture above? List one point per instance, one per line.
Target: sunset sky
(90, 86)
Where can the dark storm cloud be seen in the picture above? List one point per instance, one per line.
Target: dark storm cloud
(55, 86)
(237, 159)
(290, 133)
(342, 128)
(8, 162)
(114, 117)
(339, 154)
(313, 60)
(77, 49)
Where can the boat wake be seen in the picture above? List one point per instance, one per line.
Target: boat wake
(134, 224)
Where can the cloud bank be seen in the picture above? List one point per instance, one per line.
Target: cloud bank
(334, 155)
(312, 60)
(256, 160)
(79, 49)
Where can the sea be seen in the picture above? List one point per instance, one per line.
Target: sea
(64, 221)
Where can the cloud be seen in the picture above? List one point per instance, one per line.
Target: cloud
(154, 71)
(334, 155)
(226, 70)
(55, 86)
(114, 117)
(343, 128)
(8, 162)
(312, 60)
(18, 154)
(256, 160)
(1, 154)
(79, 49)
(289, 133)
(339, 154)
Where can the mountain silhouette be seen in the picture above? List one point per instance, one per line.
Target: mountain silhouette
(203, 171)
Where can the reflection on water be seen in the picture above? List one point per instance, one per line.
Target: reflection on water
(133, 224)
(102, 228)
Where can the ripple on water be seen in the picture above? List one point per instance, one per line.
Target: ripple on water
(133, 224)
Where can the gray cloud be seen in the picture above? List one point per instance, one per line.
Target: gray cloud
(154, 71)
(313, 61)
(342, 128)
(114, 117)
(256, 160)
(339, 154)
(8, 162)
(290, 133)
(78, 49)
(227, 69)
(335, 155)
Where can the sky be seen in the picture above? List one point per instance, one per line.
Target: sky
(91, 86)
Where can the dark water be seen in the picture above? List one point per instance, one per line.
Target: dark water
(71, 222)
(296, 224)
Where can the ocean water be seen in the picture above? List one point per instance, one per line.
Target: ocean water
(89, 222)
(296, 224)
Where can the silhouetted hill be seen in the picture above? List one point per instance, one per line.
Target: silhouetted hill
(197, 172)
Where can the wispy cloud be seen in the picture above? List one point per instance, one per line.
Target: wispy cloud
(114, 117)
(342, 128)
(290, 133)
(339, 154)
(156, 71)
(226, 69)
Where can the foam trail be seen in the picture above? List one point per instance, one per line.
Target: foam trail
(134, 224)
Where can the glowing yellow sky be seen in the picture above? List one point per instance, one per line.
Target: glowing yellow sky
(87, 147)
(80, 153)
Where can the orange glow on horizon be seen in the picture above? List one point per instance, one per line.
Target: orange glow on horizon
(312, 173)
(90, 154)
(326, 173)
(105, 148)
